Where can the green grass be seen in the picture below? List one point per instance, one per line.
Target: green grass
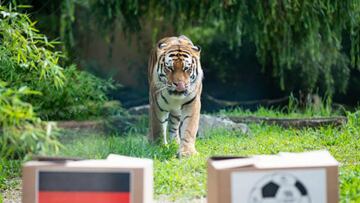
(186, 178)
(9, 169)
(292, 110)
(287, 112)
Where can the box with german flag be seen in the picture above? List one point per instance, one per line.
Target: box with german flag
(308, 177)
(117, 179)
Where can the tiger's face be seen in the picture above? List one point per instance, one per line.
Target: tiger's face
(178, 65)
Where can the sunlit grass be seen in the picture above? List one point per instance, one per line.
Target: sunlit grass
(281, 112)
(291, 110)
(186, 178)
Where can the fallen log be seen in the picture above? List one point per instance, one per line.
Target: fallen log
(262, 102)
(123, 124)
(119, 124)
(79, 125)
(292, 122)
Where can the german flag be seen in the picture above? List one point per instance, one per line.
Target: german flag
(84, 187)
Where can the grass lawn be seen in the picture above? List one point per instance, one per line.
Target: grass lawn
(186, 178)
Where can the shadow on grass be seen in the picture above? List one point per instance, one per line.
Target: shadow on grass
(100, 146)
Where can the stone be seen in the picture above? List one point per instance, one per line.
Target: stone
(208, 122)
(139, 110)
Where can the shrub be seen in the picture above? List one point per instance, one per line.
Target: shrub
(82, 96)
(27, 61)
(33, 84)
(21, 131)
(27, 57)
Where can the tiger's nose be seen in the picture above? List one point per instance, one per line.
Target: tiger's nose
(180, 86)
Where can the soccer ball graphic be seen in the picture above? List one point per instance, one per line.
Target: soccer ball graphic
(279, 188)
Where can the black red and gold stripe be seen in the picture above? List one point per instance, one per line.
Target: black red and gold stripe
(84, 187)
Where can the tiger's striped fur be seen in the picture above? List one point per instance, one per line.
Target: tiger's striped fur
(175, 82)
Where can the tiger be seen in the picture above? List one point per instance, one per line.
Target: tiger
(175, 85)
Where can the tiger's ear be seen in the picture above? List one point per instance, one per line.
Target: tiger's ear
(161, 45)
(196, 48)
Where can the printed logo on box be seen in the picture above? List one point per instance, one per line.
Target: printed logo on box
(281, 186)
(83, 187)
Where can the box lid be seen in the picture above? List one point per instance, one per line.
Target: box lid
(282, 160)
(112, 161)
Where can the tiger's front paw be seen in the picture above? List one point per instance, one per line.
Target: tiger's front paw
(186, 151)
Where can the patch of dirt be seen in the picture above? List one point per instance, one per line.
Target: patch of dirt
(13, 195)
(165, 199)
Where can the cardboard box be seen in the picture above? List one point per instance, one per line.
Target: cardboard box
(117, 179)
(310, 177)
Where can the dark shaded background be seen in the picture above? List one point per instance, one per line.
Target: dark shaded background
(232, 72)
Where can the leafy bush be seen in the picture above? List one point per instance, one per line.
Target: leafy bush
(82, 96)
(21, 131)
(31, 61)
(26, 62)
(27, 57)
(33, 84)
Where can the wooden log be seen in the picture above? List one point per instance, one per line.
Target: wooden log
(78, 125)
(262, 102)
(292, 122)
(106, 125)
(123, 123)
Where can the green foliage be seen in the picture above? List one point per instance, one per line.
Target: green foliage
(29, 65)
(13, 110)
(21, 131)
(82, 96)
(9, 170)
(26, 62)
(302, 38)
(292, 110)
(31, 57)
(355, 32)
(32, 61)
(66, 21)
(296, 37)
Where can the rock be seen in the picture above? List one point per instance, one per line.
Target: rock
(139, 110)
(208, 122)
(122, 123)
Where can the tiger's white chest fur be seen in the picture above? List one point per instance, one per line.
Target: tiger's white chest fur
(173, 103)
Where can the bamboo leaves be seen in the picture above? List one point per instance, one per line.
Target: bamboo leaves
(27, 61)
(29, 49)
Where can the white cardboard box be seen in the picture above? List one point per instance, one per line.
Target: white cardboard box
(310, 177)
